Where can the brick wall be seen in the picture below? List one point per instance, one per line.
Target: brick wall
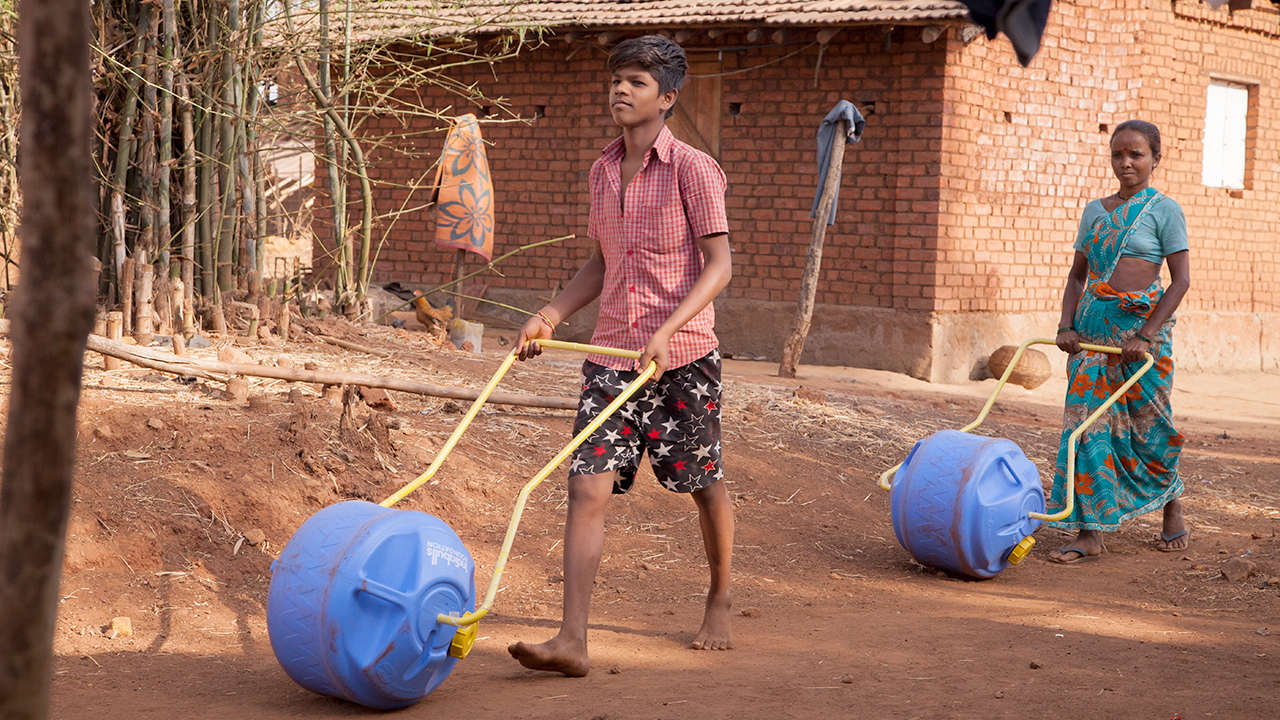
(879, 254)
(1026, 148)
(958, 208)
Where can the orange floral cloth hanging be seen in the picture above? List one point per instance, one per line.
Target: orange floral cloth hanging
(464, 191)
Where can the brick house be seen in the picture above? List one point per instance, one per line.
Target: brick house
(958, 207)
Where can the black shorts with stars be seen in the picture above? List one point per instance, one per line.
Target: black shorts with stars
(677, 420)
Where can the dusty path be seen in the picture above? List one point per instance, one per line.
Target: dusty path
(832, 617)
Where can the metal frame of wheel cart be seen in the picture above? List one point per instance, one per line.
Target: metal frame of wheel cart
(467, 624)
(1024, 547)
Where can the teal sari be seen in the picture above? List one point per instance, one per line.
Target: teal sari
(1127, 460)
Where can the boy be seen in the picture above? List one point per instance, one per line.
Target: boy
(660, 256)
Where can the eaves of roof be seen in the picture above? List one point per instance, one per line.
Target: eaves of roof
(388, 20)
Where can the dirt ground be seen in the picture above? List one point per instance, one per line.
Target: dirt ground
(832, 617)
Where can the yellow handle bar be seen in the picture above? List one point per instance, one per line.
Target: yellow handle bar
(887, 476)
(472, 618)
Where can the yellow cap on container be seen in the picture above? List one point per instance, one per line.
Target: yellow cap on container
(1021, 550)
(463, 639)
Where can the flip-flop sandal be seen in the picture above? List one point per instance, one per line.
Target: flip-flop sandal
(1170, 538)
(1084, 556)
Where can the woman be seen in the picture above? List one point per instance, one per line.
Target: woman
(1127, 461)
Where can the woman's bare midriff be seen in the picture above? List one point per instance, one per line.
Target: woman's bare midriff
(1133, 275)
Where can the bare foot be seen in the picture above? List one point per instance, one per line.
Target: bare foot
(715, 633)
(1174, 533)
(554, 655)
(1087, 546)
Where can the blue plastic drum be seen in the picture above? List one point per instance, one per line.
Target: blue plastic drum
(353, 602)
(960, 502)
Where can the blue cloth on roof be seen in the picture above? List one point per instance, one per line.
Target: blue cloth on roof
(844, 110)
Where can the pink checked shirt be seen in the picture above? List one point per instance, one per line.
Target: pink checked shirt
(651, 252)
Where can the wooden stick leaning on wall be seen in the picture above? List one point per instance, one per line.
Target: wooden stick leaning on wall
(813, 259)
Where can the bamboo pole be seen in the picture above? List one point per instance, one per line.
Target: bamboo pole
(165, 153)
(124, 150)
(205, 212)
(227, 156)
(189, 219)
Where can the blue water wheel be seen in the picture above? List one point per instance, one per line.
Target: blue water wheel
(353, 603)
(960, 502)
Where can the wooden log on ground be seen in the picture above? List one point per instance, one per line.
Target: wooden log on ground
(221, 372)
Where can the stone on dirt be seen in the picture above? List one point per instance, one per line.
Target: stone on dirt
(120, 627)
(228, 354)
(238, 390)
(813, 396)
(155, 424)
(1237, 569)
(751, 612)
(199, 342)
(104, 431)
(254, 536)
(332, 394)
(295, 395)
(378, 399)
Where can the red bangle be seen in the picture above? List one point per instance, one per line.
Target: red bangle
(545, 319)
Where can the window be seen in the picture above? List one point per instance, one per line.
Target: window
(1225, 129)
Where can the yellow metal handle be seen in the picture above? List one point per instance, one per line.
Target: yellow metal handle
(887, 476)
(483, 398)
(1070, 480)
(470, 619)
(581, 437)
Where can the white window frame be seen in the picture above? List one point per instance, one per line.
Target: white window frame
(1226, 127)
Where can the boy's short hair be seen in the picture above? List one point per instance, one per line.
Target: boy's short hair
(659, 56)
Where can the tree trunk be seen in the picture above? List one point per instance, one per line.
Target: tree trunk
(52, 314)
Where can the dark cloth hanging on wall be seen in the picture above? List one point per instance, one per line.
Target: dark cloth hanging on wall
(844, 110)
(1022, 21)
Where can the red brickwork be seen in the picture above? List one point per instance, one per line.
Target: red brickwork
(879, 253)
(1025, 149)
(963, 196)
